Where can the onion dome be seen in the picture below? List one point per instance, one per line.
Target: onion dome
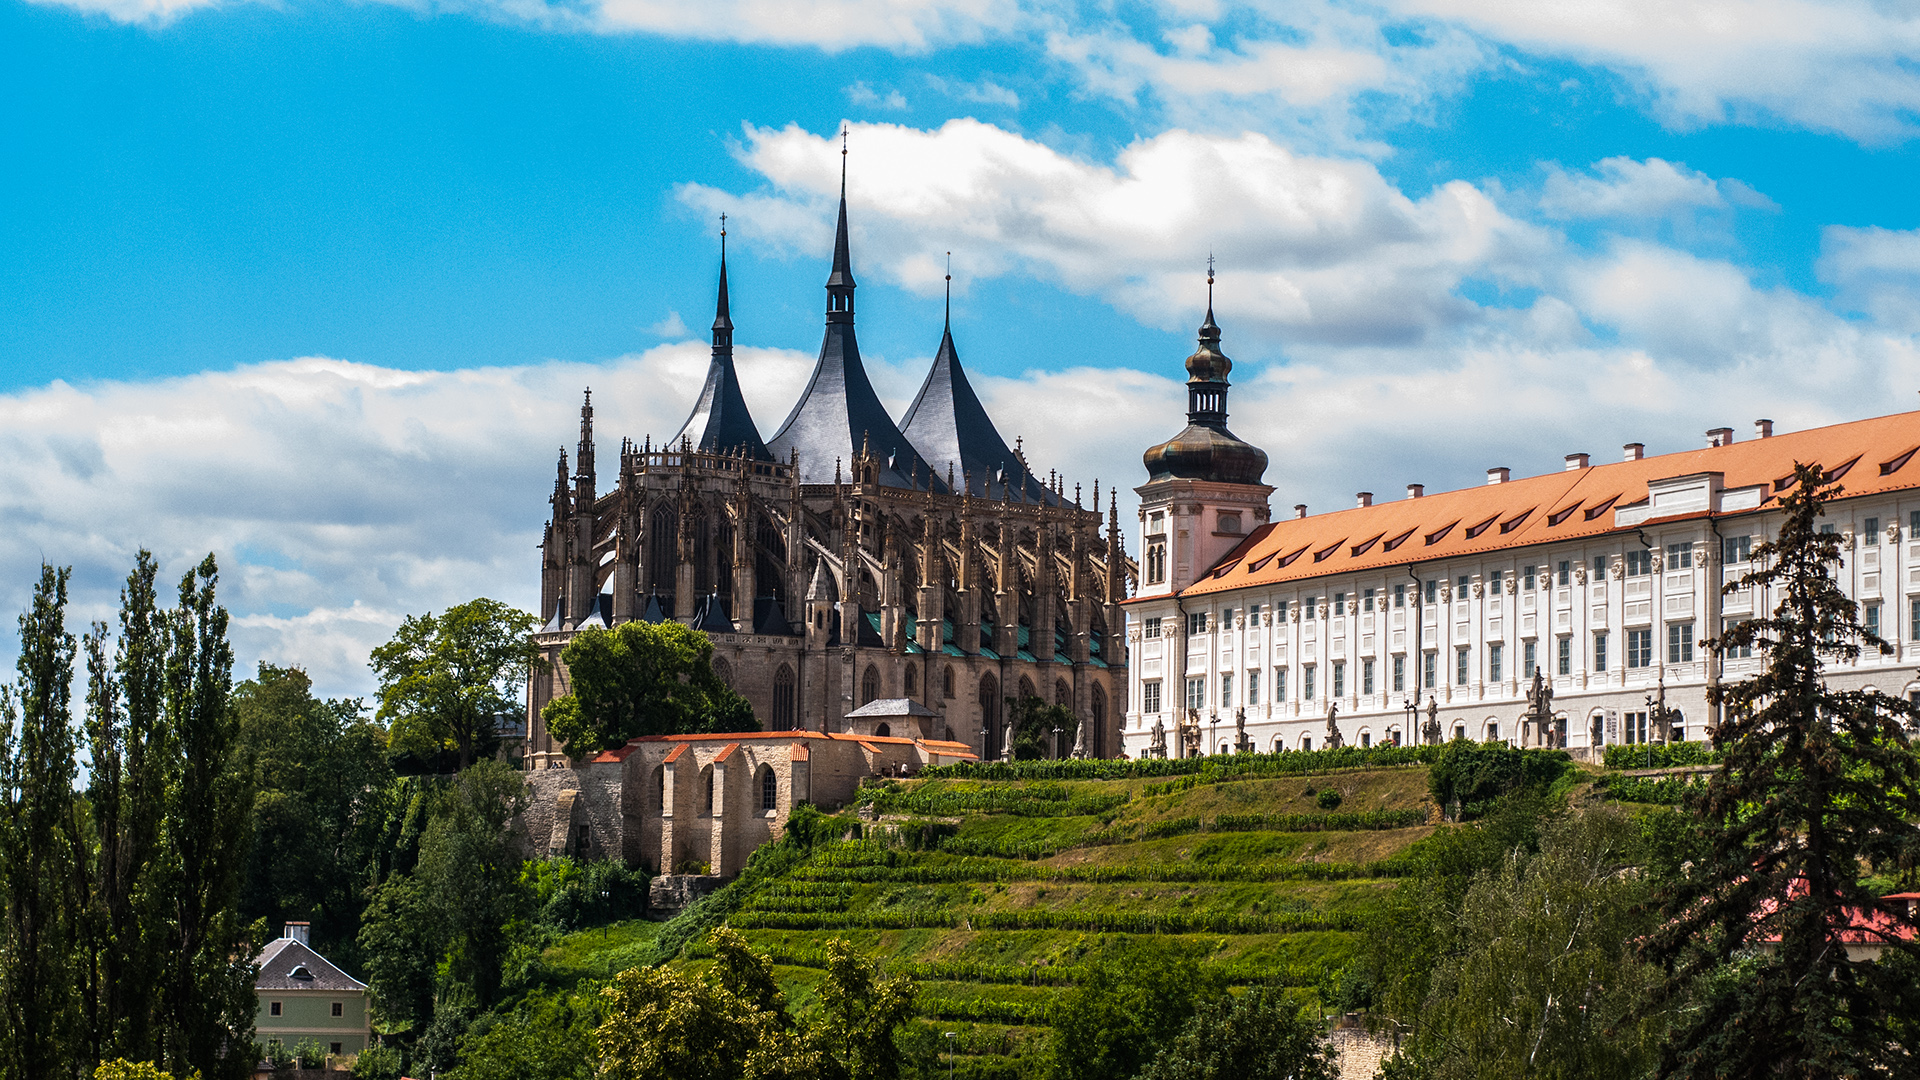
(1206, 450)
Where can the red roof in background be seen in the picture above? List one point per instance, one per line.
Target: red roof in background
(1874, 927)
(941, 747)
(1873, 456)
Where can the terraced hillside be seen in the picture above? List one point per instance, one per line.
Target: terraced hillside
(990, 891)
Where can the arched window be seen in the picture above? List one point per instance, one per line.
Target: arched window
(989, 715)
(1097, 745)
(723, 671)
(783, 699)
(1459, 731)
(699, 529)
(870, 685)
(1596, 729)
(1026, 689)
(659, 785)
(706, 791)
(769, 790)
(1679, 732)
(883, 730)
(663, 529)
(1062, 693)
(1306, 742)
(1366, 739)
(946, 682)
(913, 680)
(1493, 731)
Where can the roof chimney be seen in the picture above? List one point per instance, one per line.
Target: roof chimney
(1763, 429)
(298, 932)
(1576, 461)
(1414, 491)
(1299, 511)
(1363, 500)
(1498, 475)
(1635, 451)
(1720, 436)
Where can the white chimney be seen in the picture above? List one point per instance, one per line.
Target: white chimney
(1720, 436)
(1299, 511)
(1363, 500)
(1576, 461)
(1414, 491)
(298, 931)
(1763, 429)
(1634, 451)
(1498, 475)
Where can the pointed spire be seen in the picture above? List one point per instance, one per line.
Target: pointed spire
(720, 420)
(946, 317)
(583, 458)
(840, 283)
(722, 322)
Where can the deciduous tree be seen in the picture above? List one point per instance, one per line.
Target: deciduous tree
(1259, 1035)
(446, 679)
(637, 679)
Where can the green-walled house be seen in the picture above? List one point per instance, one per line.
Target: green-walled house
(303, 997)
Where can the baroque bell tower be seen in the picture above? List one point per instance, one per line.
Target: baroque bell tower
(1204, 492)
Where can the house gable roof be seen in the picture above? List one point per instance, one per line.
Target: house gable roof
(282, 957)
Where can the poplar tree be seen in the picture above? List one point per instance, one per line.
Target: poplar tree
(38, 993)
(1816, 783)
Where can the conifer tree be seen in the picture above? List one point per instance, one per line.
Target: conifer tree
(41, 856)
(1815, 784)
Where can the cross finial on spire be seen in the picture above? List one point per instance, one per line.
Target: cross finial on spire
(723, 236)
(949, 312)
(844, 131)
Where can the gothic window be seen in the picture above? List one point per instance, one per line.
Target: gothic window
(946, 683)
(706, 791)
(702, 555)
(1099, 702)
(783, 699)
(989, 713)
(1156, 562)
(884, 731)
(769, 790)
(770, 557)
(912, 681)
(1026, 689)
(1062, 694)
(659, 786)
(723, 671)
(662, 538)
(723, 558)
(870, 685)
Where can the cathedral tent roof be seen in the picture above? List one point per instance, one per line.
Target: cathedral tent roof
(951, 429)
(720, 421)
(839, 414)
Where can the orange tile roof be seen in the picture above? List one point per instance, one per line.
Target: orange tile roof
(1871, 457)
(621, 753)
(726, 752)
(801, 751)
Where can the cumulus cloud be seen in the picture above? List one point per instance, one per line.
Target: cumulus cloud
(1875, 271)
(1623, 187)
(1322, 247)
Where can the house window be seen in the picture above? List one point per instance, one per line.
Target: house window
(1197, 693)
(333, 1048)
(1599, 567)
(870, 685)
(1679, 556)
(946, 683)
(1150, 629)
(1566, 656)
(1460, 658)
(1564, 574)
(1680, 643)
(1226, 690)
(1150, 697)
(1339, 678)
(1399, 596)
(1633, 728)
(1530, 659)
(273, 1008)
(1639, 648)
(1497, 578)
(1493, 732)
(1366, 600)
(1226, 619)
(1870, 532)
(1494, 656)
(1253, 614)
(1339, 603)
(1429, 669)
(1156, 562)
(1600, 652)
(1306, 682)
(1280, 684)
(1253, 687)
(1366, 739)
(1639, 563)
(1366, 676)
(1433, 591)
(1279, 611)
(1741, 652)
(1196, 623)
(1736, 549)
(1913, 521)
(1528, 582)
(1873, 619)
(339, 1008)
(1399, 674)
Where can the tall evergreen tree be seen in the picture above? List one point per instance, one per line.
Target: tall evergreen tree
(206, 987)
(38, 992)
(1815, 784)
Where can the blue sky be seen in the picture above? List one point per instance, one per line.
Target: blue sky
(316, 285)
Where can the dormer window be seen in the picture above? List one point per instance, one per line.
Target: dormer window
(300, 972)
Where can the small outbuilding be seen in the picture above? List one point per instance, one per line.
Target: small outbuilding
(304, 998)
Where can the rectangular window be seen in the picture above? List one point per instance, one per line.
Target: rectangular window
(1600, 652)
(1599, 567)
(1460, 586)
(1339, 603)
(1308, 606)
(1680, 643)
(1253, 687)
(1226, 691)
(334, 1048)
(1566, 656)
(1226, 619)
(1433, 591)
(1913, 623)
(1633, 728)
(1197, 693)
(1873, 619)
(1498, 577)
(1736, 549)
(1461, 657)
(1196, 623)
(1530, 659)
(1735, 652)
(1151, 629)
(1563, 574)
(1306, 682)
(1529, 584)
(1366, 600)
(1156, 561)
(1827, 530)
(1279, 611)
(1639, 648)
(337, 1006)
(1913, 521)
(273, 1008)
(1339, 678)
(1366, 676)
(1870, 532)
(1679, 556)
(1399, 596)
(1399, 674)
(1150, 697)
(1495, 654)
(1253, 614)
(1429, 665)
(1639, 563)
(1280, 684)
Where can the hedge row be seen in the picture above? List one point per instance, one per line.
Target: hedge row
(982, 1010)
(1217, 767)
(937, 918)
(982, 869)
(1024, 800)
(1159, 922)
(1047, 847)
(1661, 755)
(1649, 789)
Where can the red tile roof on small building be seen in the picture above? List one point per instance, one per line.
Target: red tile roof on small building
(1867, 456)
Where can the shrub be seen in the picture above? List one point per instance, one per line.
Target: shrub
(1661, 756)
(1468, 776)
(1329, 800)
(379, 1063)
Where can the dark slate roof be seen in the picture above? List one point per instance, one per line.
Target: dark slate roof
(712, 616)
(654, 613)
(839, 413)
(720, 421)
(769, 617)
(283, 956)
(953, 432)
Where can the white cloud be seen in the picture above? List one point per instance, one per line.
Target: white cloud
(862, 94)
(1324, 248)
(669, 327)
(1623, 187)
(1874, 270)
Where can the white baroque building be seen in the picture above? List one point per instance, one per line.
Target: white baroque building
(1605, 578)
